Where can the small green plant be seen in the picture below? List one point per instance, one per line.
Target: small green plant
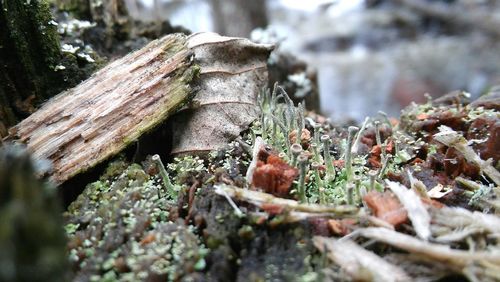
(322, 179)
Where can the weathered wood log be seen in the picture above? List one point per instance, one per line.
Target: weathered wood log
(86, 125)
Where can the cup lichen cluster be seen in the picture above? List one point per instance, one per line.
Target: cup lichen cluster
(335, 161)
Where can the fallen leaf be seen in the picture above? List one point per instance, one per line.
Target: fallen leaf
(341, 227)
(422, 116)
(233, 72)
(386, 207)
(151, 237)
(274, 176)
(272, 209)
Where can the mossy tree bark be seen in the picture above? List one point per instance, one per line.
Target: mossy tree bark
(29, 54)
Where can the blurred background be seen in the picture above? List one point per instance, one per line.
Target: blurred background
(361, 56)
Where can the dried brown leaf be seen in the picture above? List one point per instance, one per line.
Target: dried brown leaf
(233, 72)
(386, 207)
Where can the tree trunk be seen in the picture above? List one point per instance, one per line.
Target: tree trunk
(238, 17)
(29, 54)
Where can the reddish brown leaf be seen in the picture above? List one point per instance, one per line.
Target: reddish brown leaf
(274, 176)
(422, 116)
(272, 209)
(386, 207)
(341, 227)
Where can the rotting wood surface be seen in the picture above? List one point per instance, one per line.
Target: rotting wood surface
(86, 125)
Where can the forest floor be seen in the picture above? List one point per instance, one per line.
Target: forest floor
(294, 197)
(413, 198)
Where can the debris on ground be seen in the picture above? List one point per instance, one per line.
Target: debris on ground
(308, 208)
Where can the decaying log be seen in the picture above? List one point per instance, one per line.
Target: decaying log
(84, 126)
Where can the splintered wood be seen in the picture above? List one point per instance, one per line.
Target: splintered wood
(84, 126)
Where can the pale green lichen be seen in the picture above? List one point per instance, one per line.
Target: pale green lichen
(119, 230)
(333, 184)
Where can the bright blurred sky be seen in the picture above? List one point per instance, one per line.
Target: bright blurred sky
(309, 5)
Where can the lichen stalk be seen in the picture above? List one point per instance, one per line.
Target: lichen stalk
(350, 193)
(359, 135)
(352, 130)
(386, 118)
(373, 177)
(330, 170)
(163, 173)
(284, 130)
(385, 164)
(295, 149)
(273, 109)
(317, 128)
(319, 183)
(300, 123)
(357, 183)
(302, 178)
(316, 155)
(263, 119)
(290, 110)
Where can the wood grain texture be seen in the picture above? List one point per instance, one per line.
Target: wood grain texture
(86, 125)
